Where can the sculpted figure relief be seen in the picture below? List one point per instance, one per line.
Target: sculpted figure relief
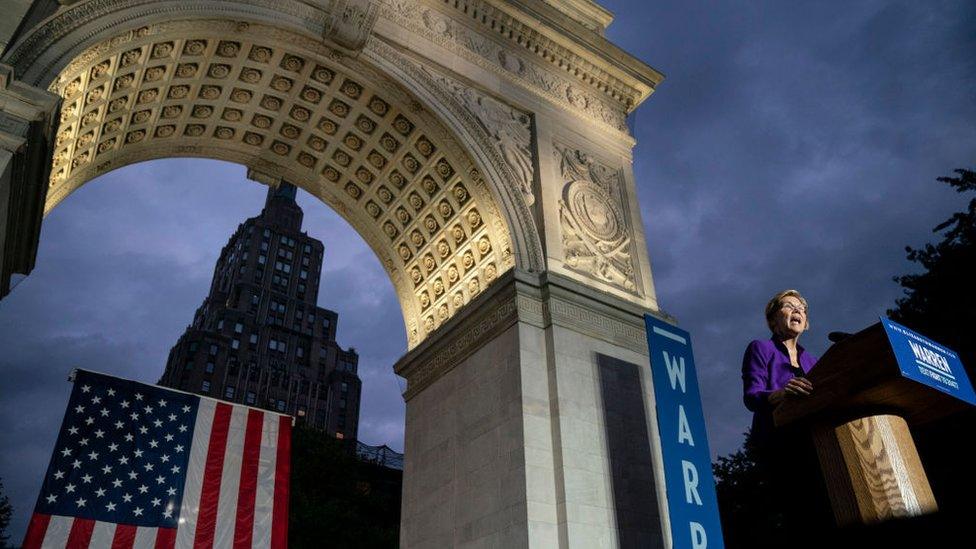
(595, 237)
(510, 129)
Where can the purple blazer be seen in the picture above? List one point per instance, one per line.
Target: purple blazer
(766, 368)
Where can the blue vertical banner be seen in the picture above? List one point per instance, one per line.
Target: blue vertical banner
(692, 504)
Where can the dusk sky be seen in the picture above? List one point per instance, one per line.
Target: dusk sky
(790, 146)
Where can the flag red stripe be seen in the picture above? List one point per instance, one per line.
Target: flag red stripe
(36, 530)
(244, 528)
(125, 536)
(210, 492)
(279, 516)
(165, 538)
(81, 533)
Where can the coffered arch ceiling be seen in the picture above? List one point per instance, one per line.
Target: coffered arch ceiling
(288, 106)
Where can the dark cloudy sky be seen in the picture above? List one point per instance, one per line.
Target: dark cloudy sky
(792, 145)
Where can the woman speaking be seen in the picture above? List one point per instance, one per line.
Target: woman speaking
(776, 367)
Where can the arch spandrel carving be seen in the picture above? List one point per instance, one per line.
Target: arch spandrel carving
(283, 103)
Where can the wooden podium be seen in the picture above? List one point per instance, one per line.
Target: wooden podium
(859, 415)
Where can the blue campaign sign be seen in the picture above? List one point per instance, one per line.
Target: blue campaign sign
(692, 504)
(925, 361)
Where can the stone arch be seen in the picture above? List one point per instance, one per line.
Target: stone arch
(504, 412)
(286, 104)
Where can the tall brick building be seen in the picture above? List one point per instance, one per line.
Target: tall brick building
(259, 338)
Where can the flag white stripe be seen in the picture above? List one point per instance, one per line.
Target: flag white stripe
(102, 534)
(57, 532)
(230, 479)
(190, 506)
(264, 495)
(145, 538)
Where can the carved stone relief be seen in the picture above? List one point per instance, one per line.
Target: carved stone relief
(499, 58)
(284, 105)
(351, 22)
(596, 237)
(510, 128)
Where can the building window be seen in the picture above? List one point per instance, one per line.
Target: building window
(305, 261)
(220, 324)
(266, 233)
(213, 350)
(303, 275)
(345, 386)
(299, 352)
(238, 328)
(188, 366)
(229, 392)
(250, 397)
(281, 405)
(235, 344)
(301, 411)
(342, 403)
(205, 387)
(262, 259)
(210, 367)
(254, 338)
(279, 346)
(193, 346)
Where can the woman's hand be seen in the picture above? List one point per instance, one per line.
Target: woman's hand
(798, 386)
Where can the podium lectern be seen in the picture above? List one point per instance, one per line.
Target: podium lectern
(858, 415)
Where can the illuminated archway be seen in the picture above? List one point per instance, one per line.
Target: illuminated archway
(290, 109)
(481, 149)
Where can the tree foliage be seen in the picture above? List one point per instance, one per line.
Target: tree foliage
(5, 512)
(744, 494)
(939, 301)
(338, 500)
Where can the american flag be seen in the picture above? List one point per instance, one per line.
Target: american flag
(137, 465)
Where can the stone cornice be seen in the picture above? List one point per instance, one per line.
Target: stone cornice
(484, 318)
(567, 44)
(467, 38)
(21, 100)
(538, 300)
(576, 49)
(20, 105)
(589, 13)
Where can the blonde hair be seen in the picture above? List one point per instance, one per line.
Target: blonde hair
(777, 301)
